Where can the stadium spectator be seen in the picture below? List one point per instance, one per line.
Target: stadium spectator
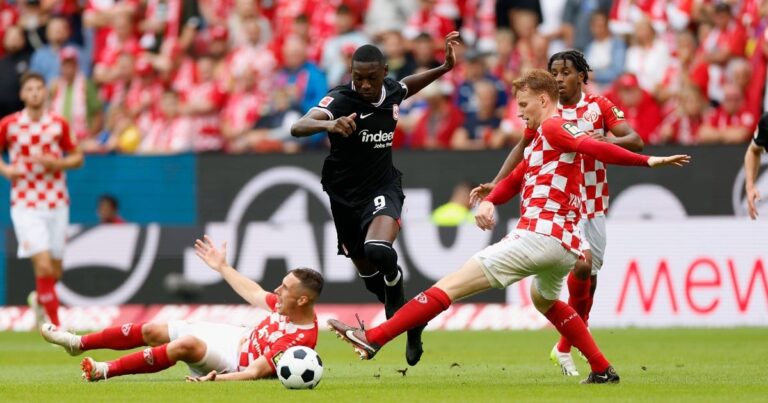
(306, 82)
(739, 72)
(334, 61)
(686, 68)
(640, 110)
(245, 10)
(401, 63)
(478, 24)
(46, 60)
(423, 49)
(252, 56)
(727, 39)
(480, 128)
(143, 92)
(76, 99)
(242, 110)
(170, 132)
(475, 70)
(9, 16)
(272, 132)
(434, 18)
(99, 18)
(682, 125)
(201, 103)
(552, 27)
(577, 16)
(440, 120)
(12, 65)
(729, 123)
(605, 53)
(648, 57)
(108, 210)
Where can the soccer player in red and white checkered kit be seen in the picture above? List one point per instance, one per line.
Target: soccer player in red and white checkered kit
(546, 243)
(596, 116)
(213, 351)
(41, 148)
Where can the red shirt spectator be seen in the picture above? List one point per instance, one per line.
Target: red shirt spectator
(9, 16)
(731, 123)
(640, 110)
(101, 15)
(440, 120)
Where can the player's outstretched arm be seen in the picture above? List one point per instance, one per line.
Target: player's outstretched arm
(751, 168)
(515, 156)
(316, 121)
(216, 258)
(72, 160)
(259, 369)
(417, 82)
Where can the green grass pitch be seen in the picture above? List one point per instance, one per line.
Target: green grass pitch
(693, 365)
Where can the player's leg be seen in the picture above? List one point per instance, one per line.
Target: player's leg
(545, 291)
(123, 337)
(188, 349)
(372, 278)
(45, 284)
(380, 252)
(579, 283)
(468, 280)
(598, 236)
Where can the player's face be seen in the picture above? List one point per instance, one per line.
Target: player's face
(290, 295)
(529, 106)
(33, 93)
(368, 77)
(568, 78)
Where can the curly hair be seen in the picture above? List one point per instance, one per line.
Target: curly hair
(576, 57)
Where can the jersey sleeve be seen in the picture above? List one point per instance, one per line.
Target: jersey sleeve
(67, 140)
(508, 187)
(277, 348)
(560, 134)
(271, 300)
(333, 105)
(612, 115)
(760, 139)
(3, 133)
(402, 92)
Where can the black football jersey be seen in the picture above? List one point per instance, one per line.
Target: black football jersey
(361, 163)
(761, 133)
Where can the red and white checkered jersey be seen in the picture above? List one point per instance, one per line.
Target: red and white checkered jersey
(593, 114)
(24, 139)
(551, 192)
(274, 335)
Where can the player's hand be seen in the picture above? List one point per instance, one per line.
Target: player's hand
(344, 125)
(206, 378)
(753, 196)
(597, 136)
(484, 218)
(480, 192)
(451, 40)
(672, 160)
(48, 162)
(12, 173)
(213, 257)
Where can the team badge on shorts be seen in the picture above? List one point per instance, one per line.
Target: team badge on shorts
(395, 112)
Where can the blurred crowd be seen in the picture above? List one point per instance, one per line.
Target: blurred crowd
(174, 76)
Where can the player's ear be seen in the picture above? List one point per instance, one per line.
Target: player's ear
(302, 300)
(386, 70)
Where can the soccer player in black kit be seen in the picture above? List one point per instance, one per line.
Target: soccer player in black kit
(362, 183)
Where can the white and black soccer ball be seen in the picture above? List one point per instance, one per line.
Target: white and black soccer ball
(300, 368)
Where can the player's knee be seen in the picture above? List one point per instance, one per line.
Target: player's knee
(187, 348)
(153, 333)
(44, 269)
(583, 268)
(539, 302)
(382, 255)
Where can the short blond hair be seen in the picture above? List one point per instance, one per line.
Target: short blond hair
(537, 81)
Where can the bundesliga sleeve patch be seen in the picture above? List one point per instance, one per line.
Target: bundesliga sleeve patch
(325, 101)
(572, 129)
(276, 358)
(617, 112)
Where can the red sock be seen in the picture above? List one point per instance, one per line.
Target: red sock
(578, 299)
(123, 337)
(417, 312)
(589, 307)
(570, 325)
(46, 296)
(151, 359)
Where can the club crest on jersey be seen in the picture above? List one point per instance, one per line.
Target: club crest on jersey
(591, 116)
(571, 128)
(617, 112)
(325, 101)
(395, 112)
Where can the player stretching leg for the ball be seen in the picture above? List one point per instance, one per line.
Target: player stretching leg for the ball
(545, 243)
(41, 147)
(363, 186)
(213, 351)
(594, 115)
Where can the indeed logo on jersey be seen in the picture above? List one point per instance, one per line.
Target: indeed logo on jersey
(381, 138)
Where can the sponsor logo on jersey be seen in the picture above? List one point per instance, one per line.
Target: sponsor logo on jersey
(325, 101)
(381, 138)
(571, 128)
(591, 116)
(365, 115)
(395, 112)
(618, 113)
